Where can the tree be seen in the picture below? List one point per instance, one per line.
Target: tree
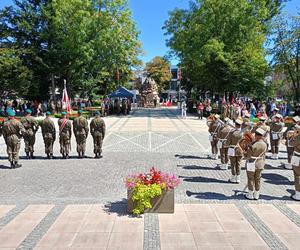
(220, 44)
(159, 69)
(286, 50)
(85, 42)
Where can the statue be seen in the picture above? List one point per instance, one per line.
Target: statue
(149, 93)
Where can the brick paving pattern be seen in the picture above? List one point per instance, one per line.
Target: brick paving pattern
(57, 204)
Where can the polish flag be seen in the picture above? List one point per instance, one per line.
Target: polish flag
(65, 100)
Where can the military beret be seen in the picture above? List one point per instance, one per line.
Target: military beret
(97, 113)
(239, 121)
(10, 112)
(260, 131)
(48, 113)
(296, 118)
(28, 111)
(63, 113)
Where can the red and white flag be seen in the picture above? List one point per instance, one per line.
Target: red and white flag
(65, 100)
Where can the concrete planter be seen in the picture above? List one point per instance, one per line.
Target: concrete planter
(161, 204)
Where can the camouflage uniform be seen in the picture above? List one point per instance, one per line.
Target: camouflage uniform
(81, 130)
(49, 135)
(65, 133)
(31, 127)
(97, 127)
(12, 132)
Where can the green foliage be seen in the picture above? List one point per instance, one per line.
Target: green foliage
(220, 44)
(286, 51)
(159, 69)
(85, 42)
(143, 194)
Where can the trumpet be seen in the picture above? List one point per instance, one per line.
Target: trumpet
(247, 139)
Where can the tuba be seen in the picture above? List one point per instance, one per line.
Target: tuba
(247, 139)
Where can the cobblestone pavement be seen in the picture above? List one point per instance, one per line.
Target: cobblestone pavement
(133, 144)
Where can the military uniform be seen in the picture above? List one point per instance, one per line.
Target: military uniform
(97, 128)
(31, 127)
(81, 130)
(290, 149)
(222, 137)
(12, 132)
(213, 130)
(255, 164)
(275, 136)
(295, 161)
(65, 133)
(49, 135)
(247, 124)
(235, 152)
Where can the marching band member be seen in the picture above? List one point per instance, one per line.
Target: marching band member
(235, 152)
(222, 137)
(288, 135)
(276, 135)
(213, 130)
(255, 156)
(295, 161)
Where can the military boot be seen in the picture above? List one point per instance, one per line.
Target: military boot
(51, 156)
(48, 156)
(27, 155)
(12, 166)
(31, 155)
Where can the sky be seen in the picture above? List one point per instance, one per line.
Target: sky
(150, 16)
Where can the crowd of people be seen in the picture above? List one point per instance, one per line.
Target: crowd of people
(236, 137)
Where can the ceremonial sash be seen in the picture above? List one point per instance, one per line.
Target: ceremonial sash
(63, 125)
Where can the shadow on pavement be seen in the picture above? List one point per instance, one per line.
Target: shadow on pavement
(195, 167)
(191, 157)
(276, 179)
(119, 208)
(202, 179)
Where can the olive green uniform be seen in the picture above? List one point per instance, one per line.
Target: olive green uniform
(275, 136)
(65, 133)
(213, 130)
(97, 128)
(49, 135)
(237, 154)
(12, 132)
(256, 154)
(295, 142)
(81, 130)
(222, 138)
(31, 127)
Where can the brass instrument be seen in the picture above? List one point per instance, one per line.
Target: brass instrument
(246, 141)
(211, 119)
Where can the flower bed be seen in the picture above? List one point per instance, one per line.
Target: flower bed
(151, 192)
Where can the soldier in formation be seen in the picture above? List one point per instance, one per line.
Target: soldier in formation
(213, 131)
(31, 127)
(97, 128)
(81, 130)
(13, 131)
(65, 133)
(276, 135)
(49, 135)
(222, 136)
(255, 156)
(235, 153)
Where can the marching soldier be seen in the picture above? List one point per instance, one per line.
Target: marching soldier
(288, 135)
(213, 130)
(255, 163)
(49, 135)
(247, 124)
(31, 127)
(275, 135)
(295, 161)
(12, 133)
(222, 137)
(65, 133)
(97, 128)
(235, 152)
(81, 131)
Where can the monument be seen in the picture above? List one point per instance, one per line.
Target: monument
(149, 93)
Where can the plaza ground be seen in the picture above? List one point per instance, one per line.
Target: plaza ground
(81, 203)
